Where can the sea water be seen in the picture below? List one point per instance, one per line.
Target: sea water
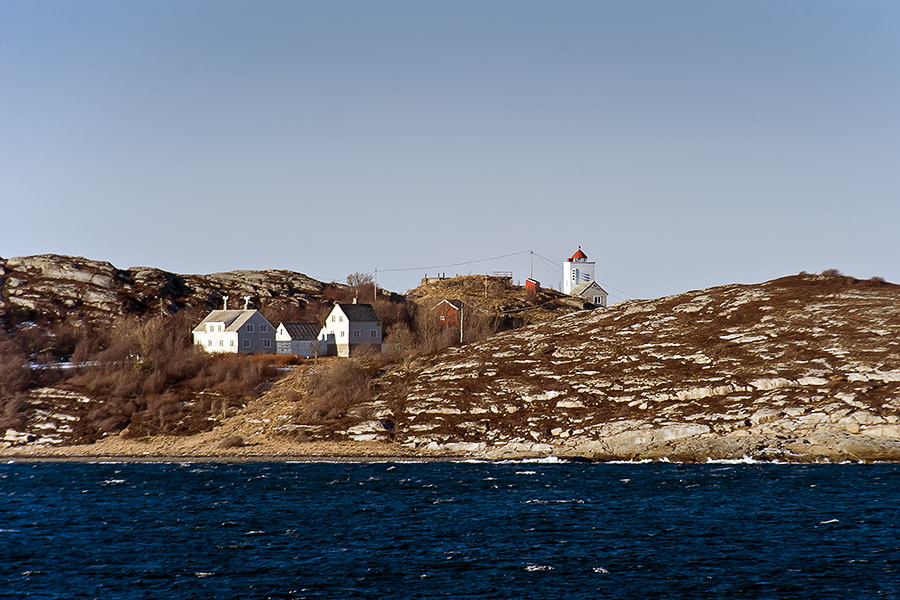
(448, 530)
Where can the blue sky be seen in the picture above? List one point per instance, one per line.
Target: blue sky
(681, 144)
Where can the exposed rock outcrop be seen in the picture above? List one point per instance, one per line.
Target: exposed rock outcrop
(56, 285)
(801, 367)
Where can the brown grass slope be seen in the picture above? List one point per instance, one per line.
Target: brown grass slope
(498, 297)
(807, 365)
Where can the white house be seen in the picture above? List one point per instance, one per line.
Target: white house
(592, 292)
(235, 331)
(349, 327)
(577, 270)
(299, 338)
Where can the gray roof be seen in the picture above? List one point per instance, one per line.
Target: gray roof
(583, 287)
(360, 312)
(233, 319)
(302, 331)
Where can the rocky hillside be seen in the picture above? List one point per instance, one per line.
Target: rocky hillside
(53, 285)
(801, 367)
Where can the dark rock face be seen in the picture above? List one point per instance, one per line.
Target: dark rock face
(55, 285)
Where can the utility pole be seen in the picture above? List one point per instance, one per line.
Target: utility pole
(461, 305)
(531, 273)
(376, 284)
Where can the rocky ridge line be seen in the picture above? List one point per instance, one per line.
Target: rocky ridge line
(57, 285)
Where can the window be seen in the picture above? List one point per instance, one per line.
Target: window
(209, 342)
(374, 333)
(232, 343)
(221, 343)
(220, 327)
(587, 276)
(443, 318)
(210, 327)
(342, 334)
(263, 328)
(246, 343)
(596, 299)
(574, 275)
(333, 319)
(356, 332)
(249, 327)
(267, 343)
(340, 319)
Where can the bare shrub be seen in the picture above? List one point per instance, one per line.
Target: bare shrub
(15, 371)
(392, 313)
(13, 410)
(333, 389)
(478, 326)
(400, 338)
(832, 273)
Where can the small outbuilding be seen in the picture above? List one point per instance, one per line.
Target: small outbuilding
(299, 338)
(448, 312)
(591, 292)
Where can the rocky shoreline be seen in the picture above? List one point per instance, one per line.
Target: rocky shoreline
(834, 447)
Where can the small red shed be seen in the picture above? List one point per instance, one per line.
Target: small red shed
(447, 312)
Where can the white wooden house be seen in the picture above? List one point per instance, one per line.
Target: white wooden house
(350, 327)
(299, 338)
(235, 331)
(591, 292)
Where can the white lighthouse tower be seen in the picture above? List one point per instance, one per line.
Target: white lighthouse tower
(577, 270)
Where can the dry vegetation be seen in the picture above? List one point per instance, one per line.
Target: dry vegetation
(145, 376)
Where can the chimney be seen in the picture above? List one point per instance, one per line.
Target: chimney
(246, 302)
(225, 298)
(355, 299)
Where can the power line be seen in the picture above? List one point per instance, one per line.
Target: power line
(548, 263)
(459, 264)
(606, 285)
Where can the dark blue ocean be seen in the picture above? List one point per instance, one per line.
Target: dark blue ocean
(449, 530)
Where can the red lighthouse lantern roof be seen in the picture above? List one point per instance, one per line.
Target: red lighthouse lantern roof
(578, 255)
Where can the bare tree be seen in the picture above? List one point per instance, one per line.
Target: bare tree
(357, 280)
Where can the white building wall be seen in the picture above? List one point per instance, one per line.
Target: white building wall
(339, 333)
(216, 339)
